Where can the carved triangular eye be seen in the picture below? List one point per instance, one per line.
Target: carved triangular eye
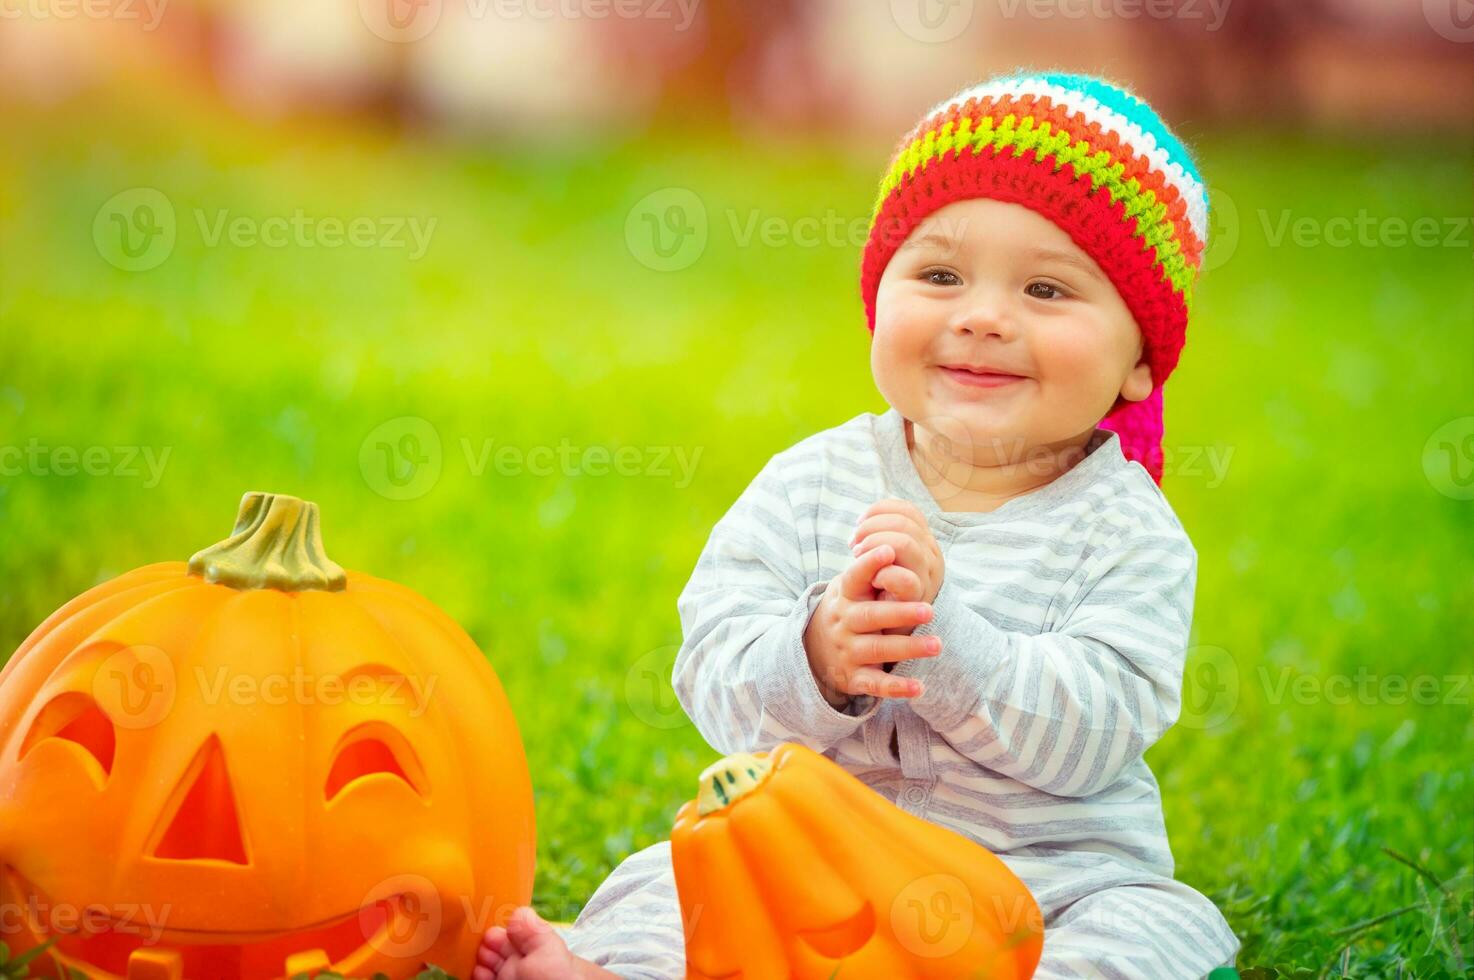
(371, 748)
(75, 717)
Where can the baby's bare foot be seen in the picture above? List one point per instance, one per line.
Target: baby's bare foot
(528, 949)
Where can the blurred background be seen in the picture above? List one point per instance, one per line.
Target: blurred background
(524, 292)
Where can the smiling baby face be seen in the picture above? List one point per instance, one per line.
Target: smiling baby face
(989, 315)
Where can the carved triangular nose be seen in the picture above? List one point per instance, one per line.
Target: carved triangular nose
(205, 824)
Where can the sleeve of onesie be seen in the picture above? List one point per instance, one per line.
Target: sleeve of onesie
(1067, 710)
(742, 673)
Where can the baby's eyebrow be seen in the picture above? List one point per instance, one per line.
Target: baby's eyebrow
(1068, 258)
(938, 238)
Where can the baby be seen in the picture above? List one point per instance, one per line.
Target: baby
(979, 601)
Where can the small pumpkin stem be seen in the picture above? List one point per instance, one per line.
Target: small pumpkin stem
(727, 780)
(276, 544)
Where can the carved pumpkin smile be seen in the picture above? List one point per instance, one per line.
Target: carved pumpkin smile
(111, 948)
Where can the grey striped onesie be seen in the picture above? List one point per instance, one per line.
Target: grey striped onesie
(1064, 616)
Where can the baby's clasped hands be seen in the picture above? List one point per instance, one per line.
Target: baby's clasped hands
(866, 614)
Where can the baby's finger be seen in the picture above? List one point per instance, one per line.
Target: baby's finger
(890, 522)
(872, 617)
(877, 683)
(894, 505)
(854, 583)
(900, 582)
(878, 648)
(909, 551)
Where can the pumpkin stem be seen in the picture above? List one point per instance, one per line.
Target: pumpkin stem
(727, 780)
(276, 544)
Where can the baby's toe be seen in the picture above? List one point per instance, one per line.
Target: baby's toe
(529, 932)
(482, 973)
(495, 939)
(490, 958)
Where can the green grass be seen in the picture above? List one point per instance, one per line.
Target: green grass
(1323, 371)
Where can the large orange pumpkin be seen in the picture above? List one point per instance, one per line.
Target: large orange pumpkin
(790, 868)
(256, 765)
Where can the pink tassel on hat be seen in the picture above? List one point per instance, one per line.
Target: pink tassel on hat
(1139, 426)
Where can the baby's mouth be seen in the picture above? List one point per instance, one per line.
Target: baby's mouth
(105, 947)
(979, 379)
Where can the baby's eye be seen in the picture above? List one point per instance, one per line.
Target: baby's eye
(930, 276)
(1043, 290)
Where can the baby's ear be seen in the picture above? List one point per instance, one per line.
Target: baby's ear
(1138, 383)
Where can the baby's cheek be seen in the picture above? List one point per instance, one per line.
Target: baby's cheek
(898, 329)
(896, 358)
(1076, 363)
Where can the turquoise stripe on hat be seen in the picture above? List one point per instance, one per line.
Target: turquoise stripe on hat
(1123, 102)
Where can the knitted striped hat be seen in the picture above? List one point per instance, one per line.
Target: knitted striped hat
(1094, 159)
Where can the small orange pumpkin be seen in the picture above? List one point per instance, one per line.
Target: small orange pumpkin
(256, 765)
(790, 868)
